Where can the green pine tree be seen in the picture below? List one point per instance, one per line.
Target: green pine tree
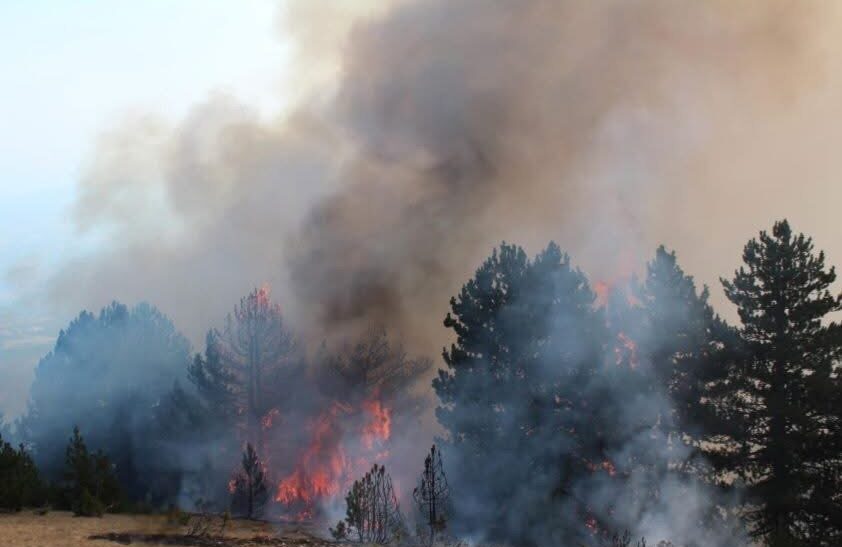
(89, 484)
(20, 485)
(788, 392)
(528, 339)
(690, 350)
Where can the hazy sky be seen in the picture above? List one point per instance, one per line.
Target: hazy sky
(71, 70)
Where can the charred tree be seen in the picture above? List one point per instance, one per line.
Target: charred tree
(372, 367)
(787, 397)
(246, 365)
(250, 486)
(432, 494)
(372, 514)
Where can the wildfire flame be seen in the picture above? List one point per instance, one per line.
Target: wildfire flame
(380, 426)
(626, 347)
(602, 289)
(325, 468)
(605, 465)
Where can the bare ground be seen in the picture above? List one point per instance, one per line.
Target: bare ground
(61, 529)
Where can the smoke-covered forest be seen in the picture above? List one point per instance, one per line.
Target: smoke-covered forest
(421, 272)
(567, 412)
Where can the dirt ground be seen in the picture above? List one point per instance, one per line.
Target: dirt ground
(61, 529)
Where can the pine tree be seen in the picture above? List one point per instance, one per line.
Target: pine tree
(249, 487)
(788, 392)
(89, 486)
(372, 513)
(371, 366)
(432, 494)
(20, 485)
(690, 350)
(528, 339)
(246, 364)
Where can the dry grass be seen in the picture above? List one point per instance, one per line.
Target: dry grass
(60, 529)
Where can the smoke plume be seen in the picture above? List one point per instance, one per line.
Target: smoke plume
(430, 131)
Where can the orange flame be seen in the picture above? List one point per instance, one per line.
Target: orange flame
(626, 348)
(606, 465)
(324, 470)
(380, 427)
(601, 289)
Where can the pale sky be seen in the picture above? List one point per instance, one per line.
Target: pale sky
(71, 70)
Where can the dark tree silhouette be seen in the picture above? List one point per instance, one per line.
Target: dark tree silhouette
(20, 485)
(788, 396)
(249, 486)
(89, 486)
(691, 351)
(433, 494)
(683, 336)
(373, 366)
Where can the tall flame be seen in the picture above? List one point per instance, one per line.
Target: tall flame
(379, 428)
(325, 468)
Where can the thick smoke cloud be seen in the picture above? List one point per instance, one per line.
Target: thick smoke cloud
(608, 126)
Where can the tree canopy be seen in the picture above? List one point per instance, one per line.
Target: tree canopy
(787, 394)
(109, 372)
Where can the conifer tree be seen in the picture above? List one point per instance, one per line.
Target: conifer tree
(788, 393)
(432, 494)
(250, 492)
(20, 485)
(529, 340)
(246, 365)
(690, 350)
(89, 484)
(372, 513)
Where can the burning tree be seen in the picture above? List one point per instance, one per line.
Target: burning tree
(432, 493)
(372, 514)
(245, 364)
(372, 368)
(350, 425)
